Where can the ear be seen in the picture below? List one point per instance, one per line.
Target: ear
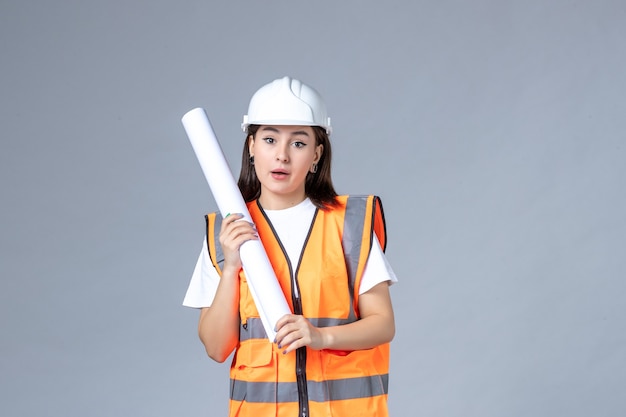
(250, 144)
(319, 150)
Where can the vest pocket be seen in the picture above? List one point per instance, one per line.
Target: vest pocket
(254, 353)
(349, 364)
(254, 380)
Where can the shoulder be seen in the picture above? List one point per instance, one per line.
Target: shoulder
(213, 215)
(363, 206)
(367, 208)
(213, 220)
(347, 199)
(364, 197)
(359, 202)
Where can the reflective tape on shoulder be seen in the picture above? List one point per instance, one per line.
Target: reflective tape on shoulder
(353, 234)
(352, 240)
(215, 249)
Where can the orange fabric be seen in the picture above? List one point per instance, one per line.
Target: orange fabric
(211, 243)
(323, 284)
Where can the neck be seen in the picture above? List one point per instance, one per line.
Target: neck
(280, 203)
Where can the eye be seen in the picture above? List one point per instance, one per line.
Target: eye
(299, 144)
(269, 140)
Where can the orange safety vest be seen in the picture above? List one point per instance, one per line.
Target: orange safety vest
(307, 382)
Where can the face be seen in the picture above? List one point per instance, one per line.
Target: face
(283, 156)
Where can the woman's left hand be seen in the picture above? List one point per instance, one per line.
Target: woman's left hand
(294, 331)
(374, 327)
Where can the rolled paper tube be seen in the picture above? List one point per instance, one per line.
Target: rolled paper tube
(266, 292)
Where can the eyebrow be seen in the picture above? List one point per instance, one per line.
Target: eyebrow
(273, 129)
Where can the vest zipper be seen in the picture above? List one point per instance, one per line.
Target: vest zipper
(303, 395)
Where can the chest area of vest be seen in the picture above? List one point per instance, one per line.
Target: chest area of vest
(320, 275)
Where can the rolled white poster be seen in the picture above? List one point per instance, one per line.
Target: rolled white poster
(264, 287)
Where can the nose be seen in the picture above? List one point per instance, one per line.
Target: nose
(282, 154)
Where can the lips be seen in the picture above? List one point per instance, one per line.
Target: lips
(279, 173)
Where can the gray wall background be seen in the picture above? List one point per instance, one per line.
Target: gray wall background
(493, 131)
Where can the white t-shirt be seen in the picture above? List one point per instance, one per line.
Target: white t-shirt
(292, 226)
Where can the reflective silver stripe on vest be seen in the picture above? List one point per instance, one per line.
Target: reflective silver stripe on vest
(351, 241)
(332, 390)
(219, 254)
(253, 328)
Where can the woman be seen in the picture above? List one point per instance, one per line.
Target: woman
(330, 357)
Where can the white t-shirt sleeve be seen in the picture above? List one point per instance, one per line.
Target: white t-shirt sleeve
(377, 269)
(204, 281)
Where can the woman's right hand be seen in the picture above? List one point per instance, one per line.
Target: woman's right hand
(219, 324)
(233, 234)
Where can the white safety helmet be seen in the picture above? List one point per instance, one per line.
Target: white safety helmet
(286, 101)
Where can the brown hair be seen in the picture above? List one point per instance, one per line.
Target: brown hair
(318, 186)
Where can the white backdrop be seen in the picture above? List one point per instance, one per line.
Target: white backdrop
(492, 130)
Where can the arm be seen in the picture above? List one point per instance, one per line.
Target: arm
(218, 326)
(375, 327)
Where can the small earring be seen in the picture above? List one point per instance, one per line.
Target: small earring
(314, 168)
(252, 160)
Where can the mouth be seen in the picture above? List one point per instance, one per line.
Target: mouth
(279, 173)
